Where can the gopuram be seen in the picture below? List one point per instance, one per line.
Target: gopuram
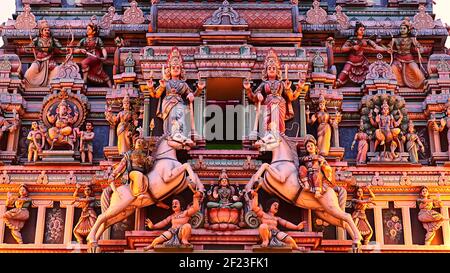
(240, 125)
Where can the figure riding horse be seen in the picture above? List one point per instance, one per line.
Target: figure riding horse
(281, 178)
(167, 177)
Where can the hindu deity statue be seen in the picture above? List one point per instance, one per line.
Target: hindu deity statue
(404, 67)
(180, 230)
(16, 218)
(36, 142)
(270, 235)
(86, 142)
(88, 214)
(324, 129)
(357, 65)
(431, 219)
(274, 93)
(63, 119)
(388, 129)
(44, 67)
(92, 65)
(413, 143)
(224, 195)
(174, 85)
(363, 144)
(128, 121)
(359, 213)
(315, 173)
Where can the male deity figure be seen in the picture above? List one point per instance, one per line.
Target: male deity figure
(86, 142)
(268, 230)
(180, 231)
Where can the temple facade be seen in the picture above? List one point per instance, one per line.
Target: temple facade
(129, 126)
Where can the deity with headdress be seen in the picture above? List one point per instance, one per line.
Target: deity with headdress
(176, 90)
(274, 93)
(62, 120)
(44, 67)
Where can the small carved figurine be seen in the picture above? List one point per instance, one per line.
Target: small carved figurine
(413, 144)
(431, 219)
(363, 144)
(359, 214)
(88, 215)
(15, 218)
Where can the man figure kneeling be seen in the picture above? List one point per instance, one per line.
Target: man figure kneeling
(271, 236)
(180, 232)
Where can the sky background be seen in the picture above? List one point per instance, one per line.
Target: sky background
(441, 9)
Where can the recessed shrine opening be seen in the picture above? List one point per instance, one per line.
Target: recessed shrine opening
(224, 115)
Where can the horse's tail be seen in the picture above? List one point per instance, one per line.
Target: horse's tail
(342, 196)
(105, 199)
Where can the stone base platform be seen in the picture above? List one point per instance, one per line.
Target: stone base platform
(57, 157)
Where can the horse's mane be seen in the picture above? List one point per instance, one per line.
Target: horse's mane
(292, 149)
(161, 138)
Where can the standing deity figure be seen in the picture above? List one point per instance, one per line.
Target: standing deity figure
(315, 170)
(44, 67)
(274, 93)
(7, 126)
(86, 142)
(444, 122)
(180, 231)
(413, 143)
(404, 67)
(174, 85)
(388, 130)
(88, 215)
(270, 235)
(431, 219)
(359, 214)
(357, 65)
(92, 65)
(363, 144)
(15, 218)
(224, 195)
(127, 119)
(63, 121)
(36, 142)
(324, 129)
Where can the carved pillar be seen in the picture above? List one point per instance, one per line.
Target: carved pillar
(107, 234)
(199, 117)
(335, 127)
(302, 103)
(2, 223)
(436, 139)
(13, 139)
(112, 135)
(139, 219)
(146, 121)
(68, 227)
(446, 224)
(378, 218)
(341, 234)
(40, 223)
(406, 219)
(431, 136)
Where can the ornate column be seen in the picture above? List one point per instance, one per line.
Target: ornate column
(139, 219)
(146, 121)
(378, 219)
(68, 226)
(40, 222)
(446, 224)
(2, 223)
(302, 103)
(431, 136)
(406, 219)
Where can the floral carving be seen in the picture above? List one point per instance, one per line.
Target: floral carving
(26, 20)
(133, 15)
(108, 18)
(225, 15)
(422, 20)
(380, 70)
(341, 18)
(4, 177)
(316, 15)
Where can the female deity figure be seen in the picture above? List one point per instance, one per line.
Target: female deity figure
(357, 65)
(316, 170)
(37, 141)
(431, 219)
(404, 67)
(171, 107)
(413, 143)
(15, 218)
(63, 122)
(92, 65)
(88, 215)
(359, 214)
(44, 67)
(363, 144)
(127, 120)
(276, 94)
(224, 195)
(324, 129)
(388, 130)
